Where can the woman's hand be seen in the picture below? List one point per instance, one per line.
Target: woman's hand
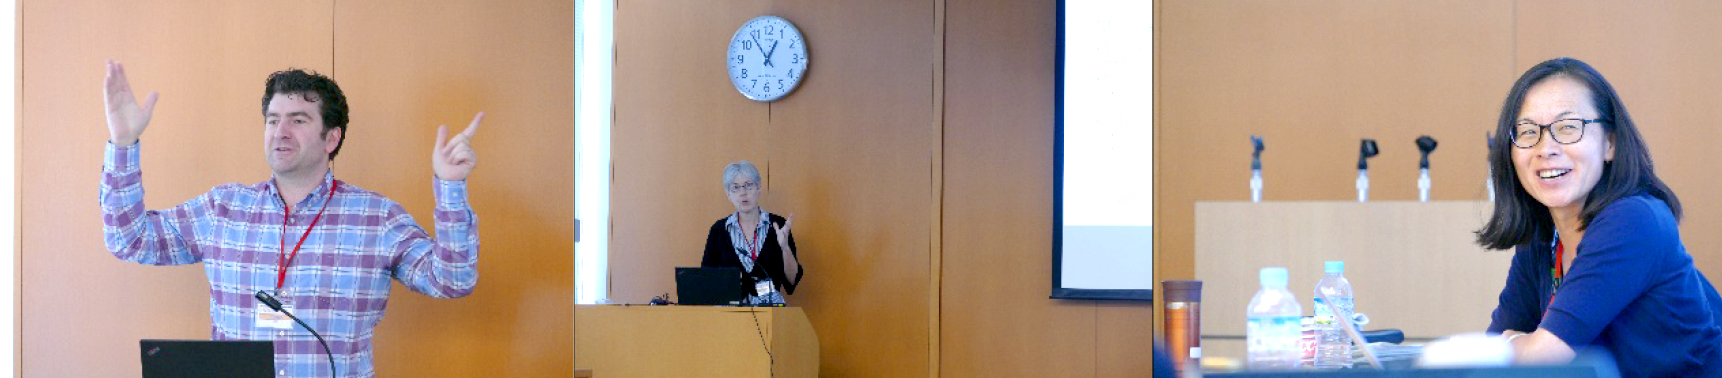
(783, 233)
(791, 265)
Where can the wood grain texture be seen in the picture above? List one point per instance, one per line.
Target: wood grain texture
(407, 73)
(996, 317)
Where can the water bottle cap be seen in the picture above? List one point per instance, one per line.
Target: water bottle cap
(1335, 267)
(1275, 277)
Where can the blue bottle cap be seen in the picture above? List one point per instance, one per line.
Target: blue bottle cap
(1275, 277)
(1335, 267)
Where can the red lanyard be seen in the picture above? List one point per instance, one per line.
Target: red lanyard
(286, 260)
(1559, 270)
(752, 245)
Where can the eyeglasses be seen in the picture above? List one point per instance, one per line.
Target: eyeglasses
(1565, 131)
(737, 188)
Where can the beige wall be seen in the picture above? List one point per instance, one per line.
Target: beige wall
(406, 68)
(1313, 77)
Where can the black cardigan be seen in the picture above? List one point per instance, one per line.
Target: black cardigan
(720, 252)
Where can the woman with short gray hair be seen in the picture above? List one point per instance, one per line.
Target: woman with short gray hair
(753, 240)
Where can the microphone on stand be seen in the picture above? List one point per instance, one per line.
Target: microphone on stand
(269, 300)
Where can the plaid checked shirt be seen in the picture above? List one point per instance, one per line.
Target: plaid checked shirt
(338, 283)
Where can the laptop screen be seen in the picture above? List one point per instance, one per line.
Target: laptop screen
(204, 358)
(709, 286)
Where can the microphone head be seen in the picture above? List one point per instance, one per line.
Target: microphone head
(263, 296)
(1256, 158)
(1426, 144)
(1367, 150)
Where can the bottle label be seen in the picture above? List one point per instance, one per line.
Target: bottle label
(1324, 315)
(1272, 334)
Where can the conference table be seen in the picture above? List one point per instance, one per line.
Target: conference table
(694, 341)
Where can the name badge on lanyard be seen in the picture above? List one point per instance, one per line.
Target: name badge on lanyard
(763, 287)
(268, 318)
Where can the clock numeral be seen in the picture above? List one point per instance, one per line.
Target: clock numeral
(755, 83)
(770, 30)
(747, 45)
(744, 73)
(795, 58)
(792, 42)
(792, 73)
(755, 34)
(739, 60)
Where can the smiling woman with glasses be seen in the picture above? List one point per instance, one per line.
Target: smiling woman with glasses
(1598, 260)
(755, 241)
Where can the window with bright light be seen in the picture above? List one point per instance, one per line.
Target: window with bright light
(593, 41)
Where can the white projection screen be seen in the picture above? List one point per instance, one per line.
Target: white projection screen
(1102, 244)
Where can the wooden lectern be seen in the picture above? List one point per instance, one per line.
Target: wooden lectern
(694, 341)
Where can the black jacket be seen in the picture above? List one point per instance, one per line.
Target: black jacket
(720, 252)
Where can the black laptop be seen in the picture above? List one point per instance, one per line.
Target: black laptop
(204, 358)
(710, 286)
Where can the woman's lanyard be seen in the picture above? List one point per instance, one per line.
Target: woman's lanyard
(287, 261)
(1558, 270)
(753, 246)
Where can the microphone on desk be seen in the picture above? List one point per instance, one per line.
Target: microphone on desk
(269, 300)
(1256, 170)
(1367, 150)
(1426, 145)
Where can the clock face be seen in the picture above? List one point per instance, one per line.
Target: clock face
(767, 58)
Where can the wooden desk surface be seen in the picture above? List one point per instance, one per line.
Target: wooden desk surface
(582, 373)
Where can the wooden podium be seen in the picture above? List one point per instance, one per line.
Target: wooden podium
(694, 341)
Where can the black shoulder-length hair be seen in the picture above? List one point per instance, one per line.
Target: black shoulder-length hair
(1518, 218)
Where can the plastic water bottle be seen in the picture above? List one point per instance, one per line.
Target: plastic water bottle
(1272, 333)
(1333, 346)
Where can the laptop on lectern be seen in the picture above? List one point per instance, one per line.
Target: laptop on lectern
(204, 358)
(710, 287)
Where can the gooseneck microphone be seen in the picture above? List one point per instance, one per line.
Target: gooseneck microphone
(1367, 150)
(1426, 145)
(1256, 170)
(269, 300)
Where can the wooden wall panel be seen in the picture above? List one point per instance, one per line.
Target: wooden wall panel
(677, 122)
(850, 159)
(83, 310)
(1313, 78)
(996, 317)
(1661, 58)
(407, 73)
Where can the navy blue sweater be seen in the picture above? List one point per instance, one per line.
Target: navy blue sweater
(1632, 289)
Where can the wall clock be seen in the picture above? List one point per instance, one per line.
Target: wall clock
(767, 58)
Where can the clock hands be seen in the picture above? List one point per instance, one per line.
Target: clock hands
(762, 51)
(768, 54)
